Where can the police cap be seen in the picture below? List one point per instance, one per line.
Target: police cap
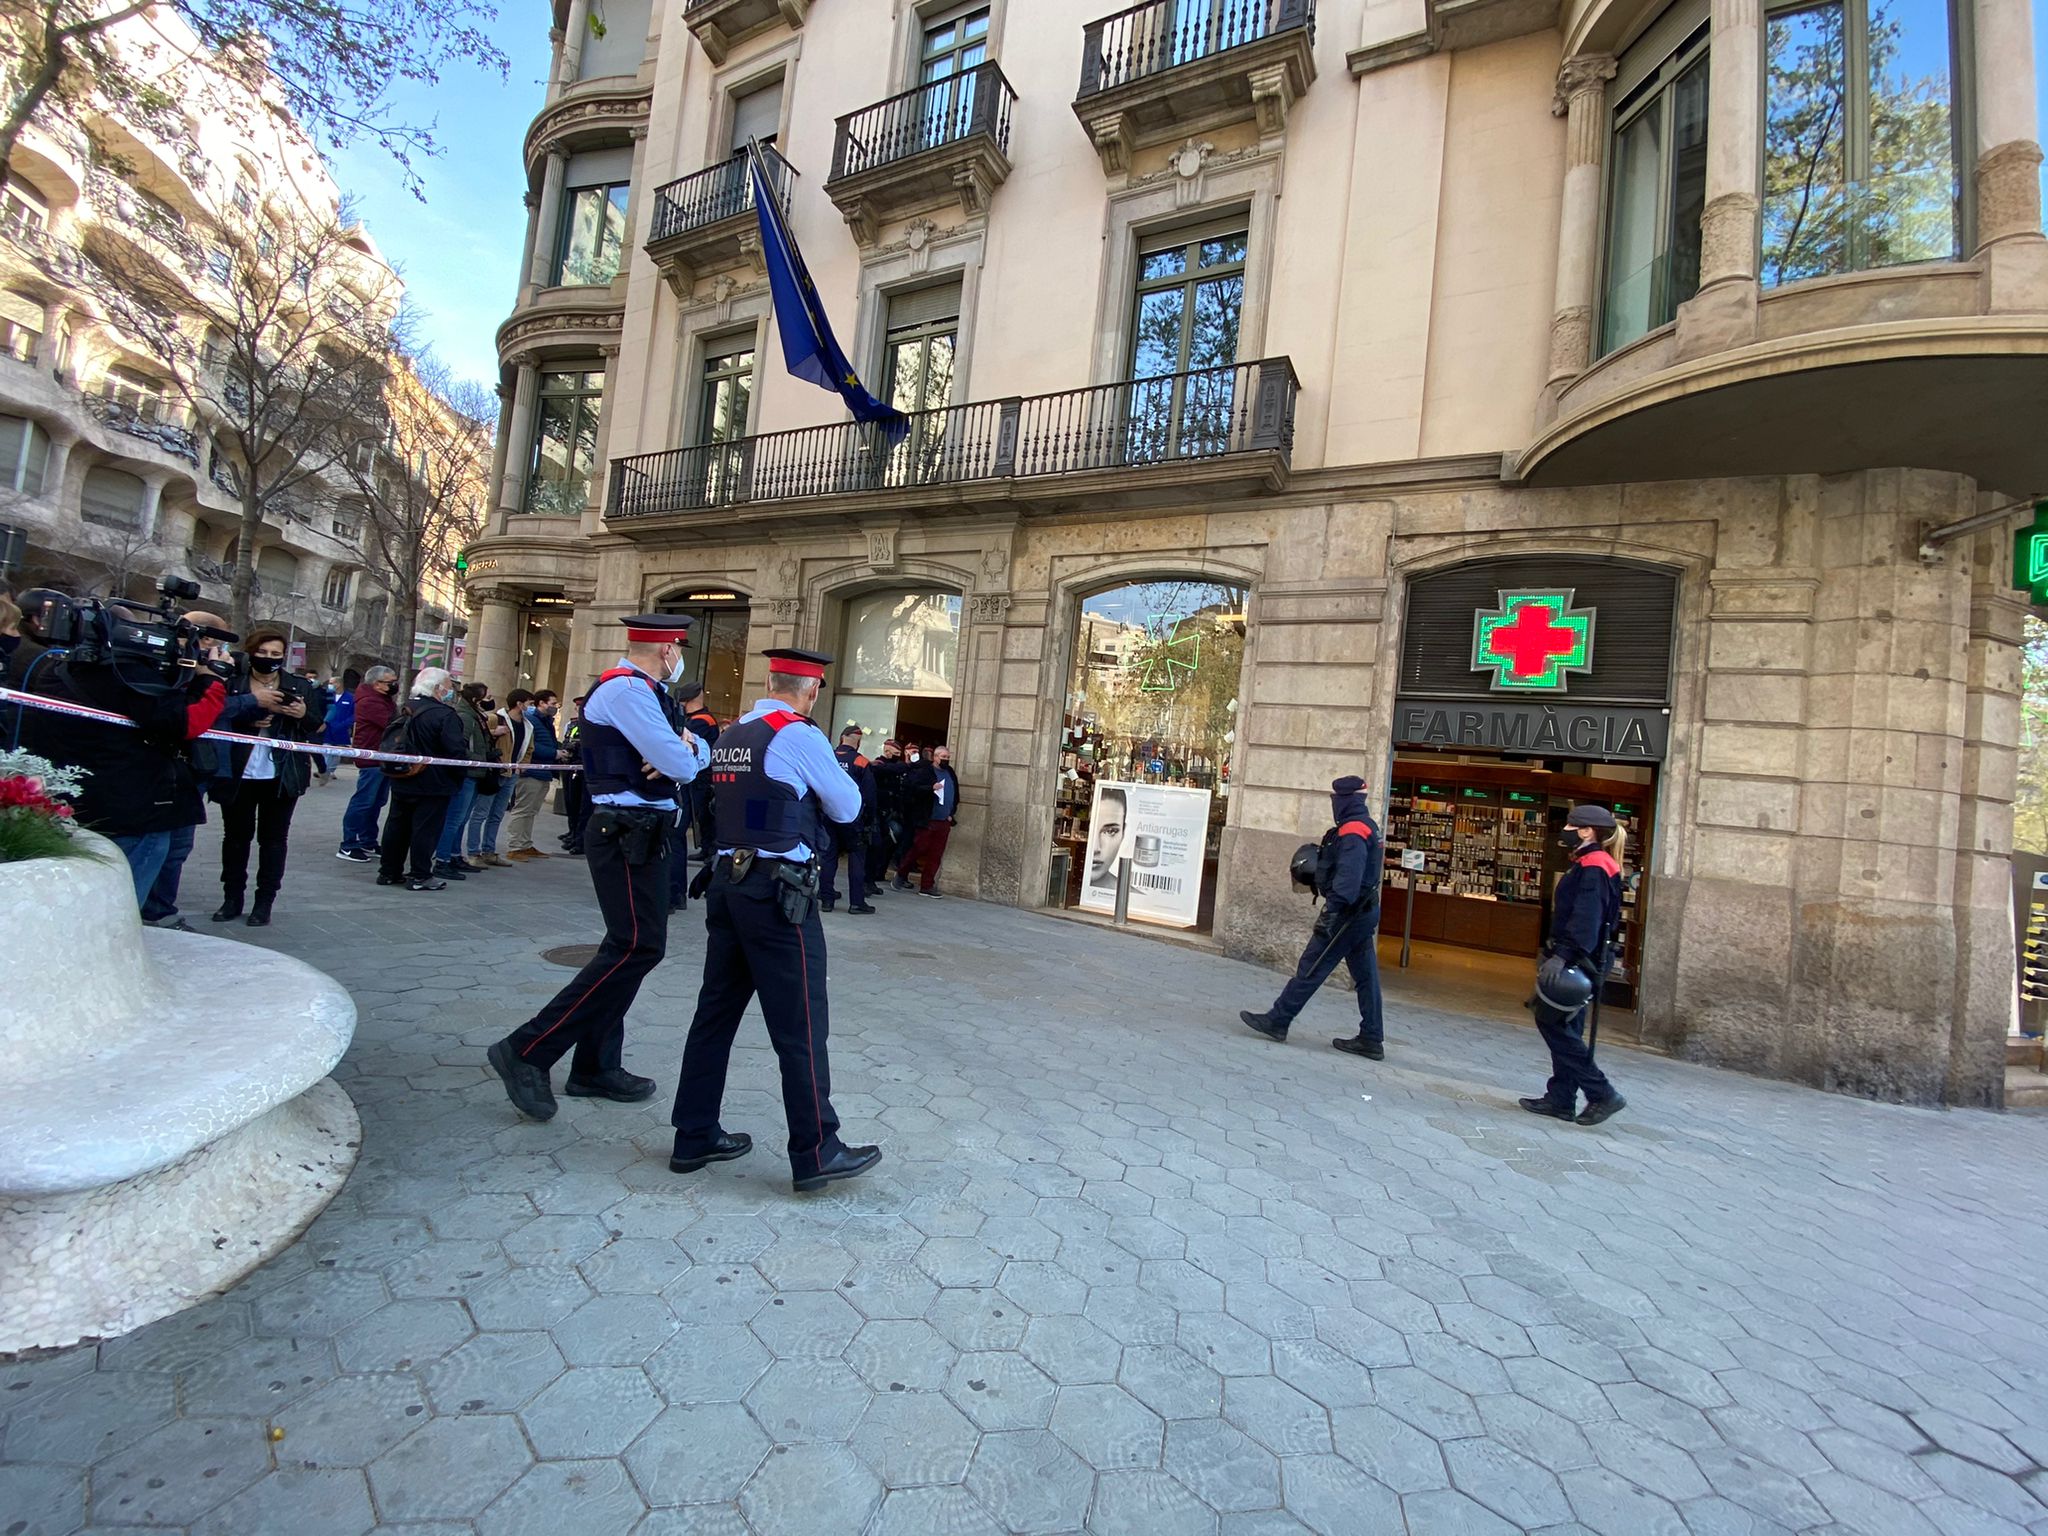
(792, 662)
(658, 629)
(1598, 817)
(1350, 784)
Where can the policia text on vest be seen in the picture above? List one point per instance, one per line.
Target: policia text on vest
(636, 760)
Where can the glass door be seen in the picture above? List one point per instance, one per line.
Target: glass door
(1184, 345)
(953, 46)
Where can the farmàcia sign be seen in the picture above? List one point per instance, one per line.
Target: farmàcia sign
(1549, 730)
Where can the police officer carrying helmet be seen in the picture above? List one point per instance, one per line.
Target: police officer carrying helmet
(636, 760)
(1346, 875)
(1584, 916)
(775, 783)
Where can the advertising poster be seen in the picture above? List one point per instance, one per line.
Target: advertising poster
(1163, 831)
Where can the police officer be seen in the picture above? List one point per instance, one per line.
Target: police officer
(635, 761)
(1348, 868)
(702, 723)
(775, 783)
(1584, 915)
(851, 839)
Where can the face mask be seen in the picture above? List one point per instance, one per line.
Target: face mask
(913, 757)
(1570, 842)
(265, 664)
(675, 673)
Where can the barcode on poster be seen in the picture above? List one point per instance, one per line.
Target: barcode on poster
(1170, 884)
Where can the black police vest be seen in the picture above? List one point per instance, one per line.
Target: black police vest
(751, 809)
(612, 765)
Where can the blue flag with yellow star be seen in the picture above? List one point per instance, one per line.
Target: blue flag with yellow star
(809, 348)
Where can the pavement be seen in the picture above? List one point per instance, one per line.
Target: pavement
(1126, 1268)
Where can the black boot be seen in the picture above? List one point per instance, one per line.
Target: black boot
(259, 915)
(230, 908)
(1264, 1024)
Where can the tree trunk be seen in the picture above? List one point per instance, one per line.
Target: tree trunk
(408, 621)
(243, 588)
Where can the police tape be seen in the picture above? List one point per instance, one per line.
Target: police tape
(310, 748)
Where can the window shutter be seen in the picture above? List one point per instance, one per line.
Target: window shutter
(22, 310)
(757, 115)
(924, 306)
(24, 452)
(1660, 39)
(599, 167)
(111, 496)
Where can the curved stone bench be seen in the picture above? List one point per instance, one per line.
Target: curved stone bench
(167, 1121)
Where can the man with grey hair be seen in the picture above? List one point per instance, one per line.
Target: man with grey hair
(420, 795)
(376, 703)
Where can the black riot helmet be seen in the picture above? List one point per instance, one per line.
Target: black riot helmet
(1301, 869)
(1563, 988)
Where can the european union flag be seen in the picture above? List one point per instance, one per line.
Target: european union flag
(808, 345)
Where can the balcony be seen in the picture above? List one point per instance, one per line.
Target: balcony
(1166, 69)
(147, 424)
(718, 24)
(942, 142)
(1140, 441)
(149, 220)
(705, 223)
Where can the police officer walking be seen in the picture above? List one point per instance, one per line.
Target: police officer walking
(1584, 915)
(1347, 877)
(635, 761)
(852, 838)
(775, 783)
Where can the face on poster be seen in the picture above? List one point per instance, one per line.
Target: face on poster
(1163, 831)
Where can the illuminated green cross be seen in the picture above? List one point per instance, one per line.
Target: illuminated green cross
(2030, 556)
(1533, 640)
(1166, 655)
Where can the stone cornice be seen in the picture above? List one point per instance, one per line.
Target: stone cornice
(583, 111)
(593, 324)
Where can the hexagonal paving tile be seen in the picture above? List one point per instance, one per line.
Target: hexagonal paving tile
(714, 1364)
(615, 1330)
(1171, 1382)
(320, 1304)
(42, 1500)
(913, 1438)
(1107, 1428)
(1030, 1482)
(800, 1400)
(718, 1293)
(450, 1468)
(934, 1512)
(1147, 1504)
(1001, 1391)
(306, 1503)
(1071, 1350)
(804, 1263)
(696, 1453)
(1275, 1415)
(802, 1490)
(349, 1422)
(901, 1354)
(977, 1319)
(1221, 1465)
(806, 1325)
(634, 1265)
(1509, 1484)
(92, 1417)
(179, 1342)
(179, 1472)
(494, 1373)
(1333, 1498)
(403, 1334)
(590, 1411)
(566, 1498)
(528, 1298)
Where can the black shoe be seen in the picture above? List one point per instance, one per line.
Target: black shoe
(449, 872)
(618, 1085)
(389, 880)
(1606, 1109)
(1544, 1105)
(230, 909)
(525, 1084)
(426, 885)
(899, 883)
(259, 915)
(1358, 1045)
(935, 895)
(861, 909)
(723, 1150)
(468, 868)
(356, 855)
(827, 906)
(1262, 1023)
(574, 850)
(678, 906)
(846, 1163)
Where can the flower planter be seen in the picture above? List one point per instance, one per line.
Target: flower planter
(169, 1119)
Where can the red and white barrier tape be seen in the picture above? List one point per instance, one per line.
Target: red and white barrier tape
(312, 748)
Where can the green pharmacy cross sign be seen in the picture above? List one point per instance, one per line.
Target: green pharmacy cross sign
(2030, 556)
(1167, 658)
(1533, 641)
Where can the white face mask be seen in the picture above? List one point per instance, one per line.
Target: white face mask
(675, 673)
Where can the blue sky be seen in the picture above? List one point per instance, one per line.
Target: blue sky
(459, 251)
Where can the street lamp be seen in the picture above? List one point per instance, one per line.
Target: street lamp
(13, 547)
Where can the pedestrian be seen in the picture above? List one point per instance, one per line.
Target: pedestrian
(428, 726)
(160, 906)
(931, 801)
(467, 703)
(260, 785)
(778, 783)
(340, 726)
(376, 701)
(637, 760)
(703, 725)
(883, 848)
(1585, 914)
(1348, 867)
(575, 792)
(531, 791)
(512, 745)
(852, 838)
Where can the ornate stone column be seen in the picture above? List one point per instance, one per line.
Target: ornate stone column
(547, 223)
(573, 37)
(600, 471)
(1582, 101)
(1723, 313)
(2008, 124)
(531, 203)
(494, 644)
(519, 437)
(501, 448)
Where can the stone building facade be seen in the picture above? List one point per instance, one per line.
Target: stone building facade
(1292, 307)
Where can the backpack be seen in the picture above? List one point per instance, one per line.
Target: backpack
(398, 738)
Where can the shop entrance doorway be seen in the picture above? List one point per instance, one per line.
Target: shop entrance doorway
(897, 667)
(716, 654)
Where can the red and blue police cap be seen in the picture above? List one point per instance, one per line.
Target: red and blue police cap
(792, 662)
(658, 629)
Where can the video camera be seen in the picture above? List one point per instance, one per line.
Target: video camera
(151, 648)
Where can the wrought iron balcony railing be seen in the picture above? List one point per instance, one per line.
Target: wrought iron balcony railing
(975, 101)
(720, 192)
(1159, 35)
(179, 441)
(1209, 413)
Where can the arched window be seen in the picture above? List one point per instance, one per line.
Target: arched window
(112, 497)
(24, 454)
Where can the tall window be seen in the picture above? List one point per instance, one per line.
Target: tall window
(1184, 342)
(565, 443)
(1658, 187)
(334, 594)
(111, 497)
(954, 44)
(724, 394)
(1860, 164)
(21, 327)
(23, 214)
(140, 396)
(923, 335)
(593, 235)
(24, 454)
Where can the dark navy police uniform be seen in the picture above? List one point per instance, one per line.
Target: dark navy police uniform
(851, 838)
(1584, 917)
(775, 782)
(628, 725)
(1347, 931)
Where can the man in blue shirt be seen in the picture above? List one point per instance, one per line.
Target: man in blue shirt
(635, 762)
(775, 783)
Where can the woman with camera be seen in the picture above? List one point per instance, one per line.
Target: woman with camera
(259, 786)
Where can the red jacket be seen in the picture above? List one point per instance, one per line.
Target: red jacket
(373, 715)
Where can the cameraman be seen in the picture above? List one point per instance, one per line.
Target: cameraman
(140, 787)
(259, 787)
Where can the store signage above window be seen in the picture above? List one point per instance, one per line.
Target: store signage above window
(1533, 641)
(1541, 730)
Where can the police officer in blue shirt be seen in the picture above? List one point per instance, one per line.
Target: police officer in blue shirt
(636, 759)
(775, 782)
